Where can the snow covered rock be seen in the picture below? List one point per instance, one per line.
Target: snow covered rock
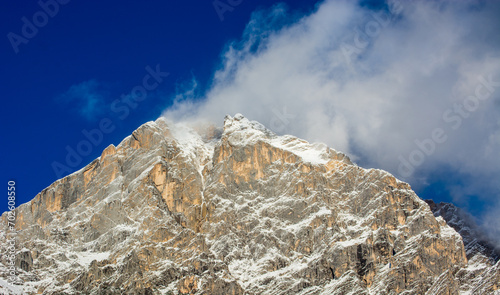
(180, 210)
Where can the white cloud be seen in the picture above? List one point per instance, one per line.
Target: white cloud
(370, 84)
(491, 222)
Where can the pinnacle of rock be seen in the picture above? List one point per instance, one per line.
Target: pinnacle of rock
(183, 209)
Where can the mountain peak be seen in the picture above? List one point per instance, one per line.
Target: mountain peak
(193, 209)
(240, 123)
(239, 131)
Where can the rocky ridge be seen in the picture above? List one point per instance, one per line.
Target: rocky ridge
(235, 211)
(482, 254)
(476, 242)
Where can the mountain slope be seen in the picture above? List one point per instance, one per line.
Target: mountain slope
(233, 211)
(476, 242)
(482, 272)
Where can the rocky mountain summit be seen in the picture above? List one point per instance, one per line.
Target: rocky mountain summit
(476, 242)
(237, 210)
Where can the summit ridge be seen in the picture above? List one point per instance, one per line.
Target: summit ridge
(182, 209)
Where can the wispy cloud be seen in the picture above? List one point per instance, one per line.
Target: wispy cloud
(374, 84)
(491, 221)
(86, 98)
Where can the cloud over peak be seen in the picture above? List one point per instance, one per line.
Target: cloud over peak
(412, 87)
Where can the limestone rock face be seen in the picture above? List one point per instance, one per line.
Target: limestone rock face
(481, 276)
(476, 242)
(237, 210)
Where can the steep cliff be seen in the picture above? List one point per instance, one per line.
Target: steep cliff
(171, 210)
(481, 276)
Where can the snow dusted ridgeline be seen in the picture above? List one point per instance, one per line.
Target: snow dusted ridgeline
(482, 274)
(171, 210)
(475, 240)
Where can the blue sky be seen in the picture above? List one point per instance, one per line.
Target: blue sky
(408, 87)
(63, 80)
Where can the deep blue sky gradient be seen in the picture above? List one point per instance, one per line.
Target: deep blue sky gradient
(108, 45)
(111, 43)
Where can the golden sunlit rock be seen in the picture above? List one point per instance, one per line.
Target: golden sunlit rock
(171, 210)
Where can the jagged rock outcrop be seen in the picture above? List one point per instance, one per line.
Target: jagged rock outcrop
(481, 276)
(476, 242)
(234, 211)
